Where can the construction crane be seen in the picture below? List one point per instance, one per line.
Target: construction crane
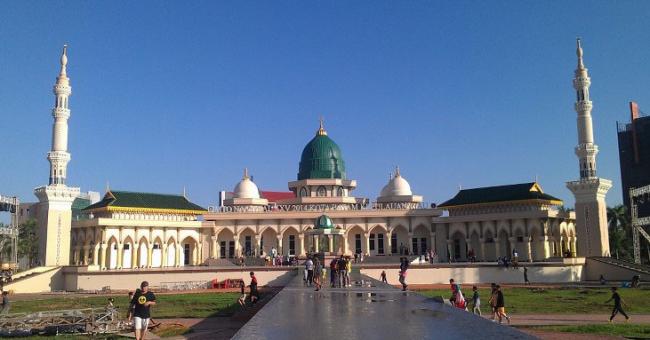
(642, 193)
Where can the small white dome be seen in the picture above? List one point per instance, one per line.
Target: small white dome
(246, 188)
(397, 186)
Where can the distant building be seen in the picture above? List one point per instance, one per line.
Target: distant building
(634, 154)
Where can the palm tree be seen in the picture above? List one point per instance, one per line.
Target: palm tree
(618, 223)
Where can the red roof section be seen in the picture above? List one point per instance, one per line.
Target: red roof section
(274, 196)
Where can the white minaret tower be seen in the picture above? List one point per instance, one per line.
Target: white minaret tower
(589, 191)
(55, 200)
(59, 156)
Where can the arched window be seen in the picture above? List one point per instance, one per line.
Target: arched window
(303, 192)
(339, 191)
(321, 192)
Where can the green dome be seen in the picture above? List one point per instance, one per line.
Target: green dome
(321, 158)
(324, 222)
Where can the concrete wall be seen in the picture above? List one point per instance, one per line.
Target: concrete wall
(484, 274)
(76, 278)
(51, 280)
(595, 268)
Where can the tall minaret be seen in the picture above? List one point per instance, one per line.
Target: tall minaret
(59, 156)
(54, 210)
(590, 206)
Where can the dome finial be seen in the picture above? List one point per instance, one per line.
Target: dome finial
(321, 130)
(397, 174)
(246, 173)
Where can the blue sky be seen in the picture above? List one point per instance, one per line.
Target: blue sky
(173, 94)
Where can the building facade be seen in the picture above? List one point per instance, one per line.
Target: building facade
(634, 155)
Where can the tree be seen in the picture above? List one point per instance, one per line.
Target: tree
(28, 241)
(618, 222)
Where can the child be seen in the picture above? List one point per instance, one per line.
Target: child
(242, 297)
(476, 302)
(129, 310)
(110, 304)
(383, 276)
(617, 305)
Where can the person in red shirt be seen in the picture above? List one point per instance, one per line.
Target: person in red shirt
(255, 295)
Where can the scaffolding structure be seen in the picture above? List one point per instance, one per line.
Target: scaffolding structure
(9, 234)
(639, 194)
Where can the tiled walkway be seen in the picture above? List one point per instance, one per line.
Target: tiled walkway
(368, 310)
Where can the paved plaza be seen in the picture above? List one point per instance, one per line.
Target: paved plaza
(368, 310)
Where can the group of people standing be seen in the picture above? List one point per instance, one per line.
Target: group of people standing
(315, 273)
(496, 301)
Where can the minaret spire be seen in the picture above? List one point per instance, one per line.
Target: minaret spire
(64, 60)
(59, 156)
(586, 149)
(579, 54)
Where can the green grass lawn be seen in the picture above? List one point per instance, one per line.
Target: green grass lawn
(617, 329)
(558, 300)
(197, 305)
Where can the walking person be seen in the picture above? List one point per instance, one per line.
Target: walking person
(317, 270)
(255, 294)
(617, 305)
(403, 268)
(309, 269)
(493, 301)
(501, 306)
(5, 303)
(476, 302)
(333, 273)
(142, 301)
(348, 264)
(342, 267)
(526, 282)
(383, 276)
(242, 296)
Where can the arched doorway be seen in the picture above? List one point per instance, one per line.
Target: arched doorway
(247, 242)
(127, 255)
(156, 254)
(171, 252)
(377, 241)
(143, 253)
(355, 239)
(112, 253)
(475, 246)
(420, 241)
(269, 240)
(226, 242)
(490, 246)
(189, 252)
(400, 240)
(458, 247)
(290, 241)
(504, 245)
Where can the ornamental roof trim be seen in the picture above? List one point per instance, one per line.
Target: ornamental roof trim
(512, 193)
(128, 201)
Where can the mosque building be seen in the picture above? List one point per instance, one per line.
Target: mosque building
(320, 213)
